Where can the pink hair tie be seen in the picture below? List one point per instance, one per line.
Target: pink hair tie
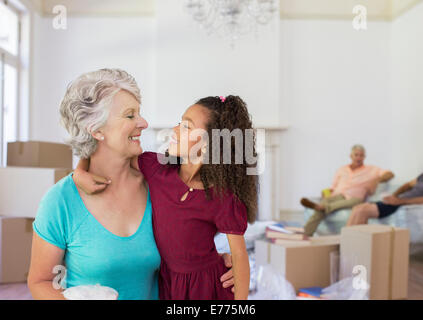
(222, 99)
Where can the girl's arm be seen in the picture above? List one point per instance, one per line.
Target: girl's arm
(88, 182)
(241, 266)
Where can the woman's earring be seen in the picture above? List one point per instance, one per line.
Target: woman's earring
(102, 138)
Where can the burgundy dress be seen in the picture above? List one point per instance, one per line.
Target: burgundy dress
(184, 231)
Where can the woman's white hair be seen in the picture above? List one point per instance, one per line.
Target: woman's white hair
(86, 105)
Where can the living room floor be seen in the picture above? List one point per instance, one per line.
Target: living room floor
(19, 291)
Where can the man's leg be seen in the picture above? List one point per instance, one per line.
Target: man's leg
(313, 222)
(342, 204)
(362, 213)
(318, 215)
(322, 205)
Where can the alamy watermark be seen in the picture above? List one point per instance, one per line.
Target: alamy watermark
(360, 20)
(59, 281)
(223, 147)
(360, 278)
(60, 21)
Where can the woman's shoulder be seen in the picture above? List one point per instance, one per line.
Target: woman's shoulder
(60, 191)
(62, 202)
(59, 213)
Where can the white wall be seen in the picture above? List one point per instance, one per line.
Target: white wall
(192, 65)
(407, 97)
(335, 93)
(88, 43)
(333, 85)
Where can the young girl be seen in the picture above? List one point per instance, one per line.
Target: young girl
(193, 200)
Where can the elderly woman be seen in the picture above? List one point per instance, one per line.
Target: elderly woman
(104, 238)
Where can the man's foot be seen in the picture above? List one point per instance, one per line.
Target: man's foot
(312, 205)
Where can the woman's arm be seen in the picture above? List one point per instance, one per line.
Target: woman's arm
(241, 266)
(44, 257)
(88, 182)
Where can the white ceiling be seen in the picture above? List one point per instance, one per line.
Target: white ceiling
(289, 9)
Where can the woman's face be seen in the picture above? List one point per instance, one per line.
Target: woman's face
(122, 131)
(187, 135)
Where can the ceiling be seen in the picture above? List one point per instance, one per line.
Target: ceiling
(289, 9)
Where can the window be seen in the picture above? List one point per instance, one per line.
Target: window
(9, 76)
(9, 23)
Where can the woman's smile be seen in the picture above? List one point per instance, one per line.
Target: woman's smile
(135, 139)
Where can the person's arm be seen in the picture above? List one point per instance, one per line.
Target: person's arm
(392, 200)
(395, 201)
(227, 278)
(241, 266)
(388, 175)
(405, 187)
(385, 177)
(44, 257)
(335, 181)
(418, 200)
(88, 182)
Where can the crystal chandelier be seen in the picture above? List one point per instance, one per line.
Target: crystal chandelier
(231, 18)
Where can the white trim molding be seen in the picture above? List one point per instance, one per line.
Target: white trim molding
(97, 7)
(378, 10)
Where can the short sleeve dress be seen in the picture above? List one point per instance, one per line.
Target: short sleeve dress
(184, 231)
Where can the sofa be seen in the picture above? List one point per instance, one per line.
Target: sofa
(408, 216)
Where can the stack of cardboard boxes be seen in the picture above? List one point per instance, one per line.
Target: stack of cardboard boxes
(32, 169)
(378, 254)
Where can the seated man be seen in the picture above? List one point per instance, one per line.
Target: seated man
(409, 193)
(351, 185)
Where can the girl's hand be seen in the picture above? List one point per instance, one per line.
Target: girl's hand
(228, 278)
(87, 182)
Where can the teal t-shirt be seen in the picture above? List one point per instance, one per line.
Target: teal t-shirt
(94, 255)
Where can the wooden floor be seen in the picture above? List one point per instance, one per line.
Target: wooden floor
(19, 291)
(415, 277)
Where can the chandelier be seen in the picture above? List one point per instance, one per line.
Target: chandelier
(231, 18)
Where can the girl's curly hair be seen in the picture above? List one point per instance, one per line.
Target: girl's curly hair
(230, 113)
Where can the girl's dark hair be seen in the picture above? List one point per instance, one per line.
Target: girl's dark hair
(230, 113)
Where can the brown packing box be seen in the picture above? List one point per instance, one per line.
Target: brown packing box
(306, 265)
(15, 248)
(384, 253)
(39, 154)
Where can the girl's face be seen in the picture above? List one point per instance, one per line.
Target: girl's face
(187, 139)
(122, 131)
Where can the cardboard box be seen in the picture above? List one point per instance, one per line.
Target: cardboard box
(39, 154)
(15, 248)
(21, 189)
(307, 265)
(382, 254)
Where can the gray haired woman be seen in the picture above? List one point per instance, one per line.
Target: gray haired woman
(104, 238)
